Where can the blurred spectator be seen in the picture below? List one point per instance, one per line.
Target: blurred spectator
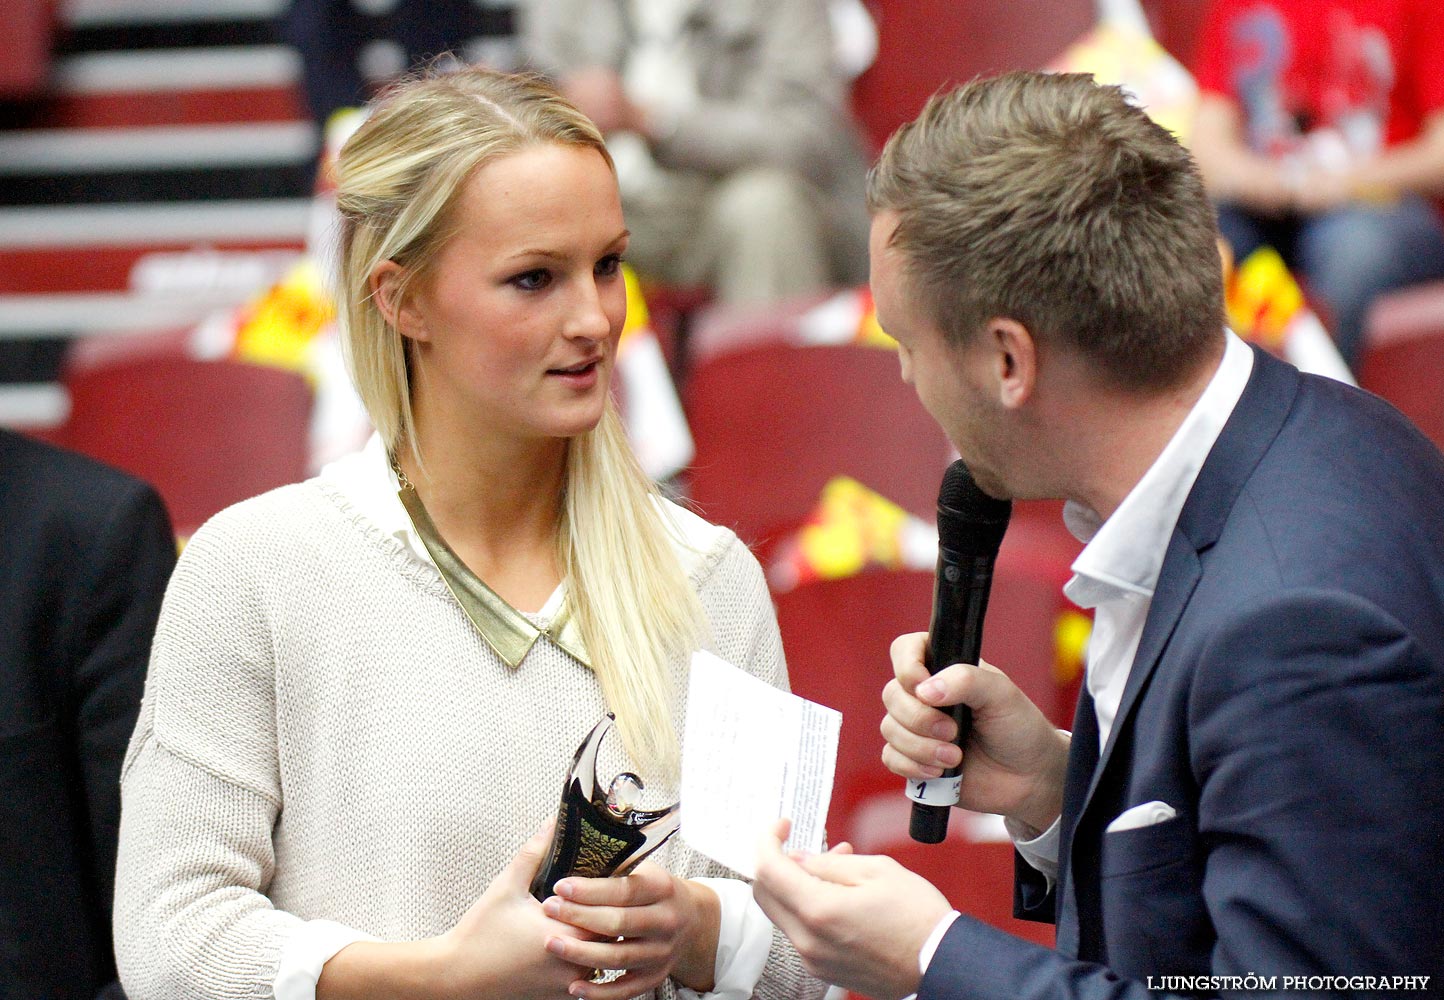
(346, 45)
(738, 163)
(1321, 132)
(88, 551)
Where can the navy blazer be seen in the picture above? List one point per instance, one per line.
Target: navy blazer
(85, 553)
(1287, 700)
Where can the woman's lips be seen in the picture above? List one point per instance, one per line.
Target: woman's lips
(579, 375)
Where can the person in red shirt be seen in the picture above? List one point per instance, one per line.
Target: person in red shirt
(1320, 131)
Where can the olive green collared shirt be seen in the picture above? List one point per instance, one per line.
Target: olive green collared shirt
(506, 630)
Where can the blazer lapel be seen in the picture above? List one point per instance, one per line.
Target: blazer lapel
(1250, 430)
(1077, 784)
(1176, 581)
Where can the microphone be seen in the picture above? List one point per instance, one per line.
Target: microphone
(970, 529)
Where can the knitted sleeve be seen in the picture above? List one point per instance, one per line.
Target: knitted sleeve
(744, 629)
(200, 788)
(739, 610)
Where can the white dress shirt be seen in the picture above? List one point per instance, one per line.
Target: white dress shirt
(745, 934)
(1117, 571)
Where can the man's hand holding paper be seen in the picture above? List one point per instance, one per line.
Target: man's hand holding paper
(753, 755)
(828, 905)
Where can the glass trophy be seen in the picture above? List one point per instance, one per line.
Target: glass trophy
(599, 834)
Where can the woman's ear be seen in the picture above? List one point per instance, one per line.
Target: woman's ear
(388, 283)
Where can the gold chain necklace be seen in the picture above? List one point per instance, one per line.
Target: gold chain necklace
(401, 476)
(507, 631)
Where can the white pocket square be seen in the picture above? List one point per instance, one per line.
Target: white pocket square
(1146, 814)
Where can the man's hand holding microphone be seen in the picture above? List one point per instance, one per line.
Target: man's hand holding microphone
(861, 921)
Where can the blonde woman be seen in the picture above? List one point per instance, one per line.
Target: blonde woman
(366, 688)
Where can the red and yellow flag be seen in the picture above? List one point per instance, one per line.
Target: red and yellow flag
(852, 528)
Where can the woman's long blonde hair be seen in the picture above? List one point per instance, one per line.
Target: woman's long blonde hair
(398, 178)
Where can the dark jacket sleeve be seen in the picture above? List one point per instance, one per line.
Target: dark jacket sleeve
(114, 609)
(1034, 897)
(1313, 735)
(88, 552)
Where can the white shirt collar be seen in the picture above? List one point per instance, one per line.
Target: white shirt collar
(365, 478)
(1124, 554)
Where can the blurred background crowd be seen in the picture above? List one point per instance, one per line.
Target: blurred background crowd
(165, 230)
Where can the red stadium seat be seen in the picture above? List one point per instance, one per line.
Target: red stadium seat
(29, 29)
(721, 328)
(1025, 631)
(671, 309)
(774, 423)
(924, 45)
(104, 352)
(836, 634)
(1178, 26)
(1403, 357)
(206, 433)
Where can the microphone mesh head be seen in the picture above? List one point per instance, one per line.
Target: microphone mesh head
(965, 512)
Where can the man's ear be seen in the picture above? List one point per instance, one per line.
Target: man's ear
(388, 283)
(1015, 360)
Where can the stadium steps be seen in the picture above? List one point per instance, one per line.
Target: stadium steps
(166, 173)
(172, 132)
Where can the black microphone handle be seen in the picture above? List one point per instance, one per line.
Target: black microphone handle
(960, 600)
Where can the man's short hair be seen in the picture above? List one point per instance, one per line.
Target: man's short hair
(1053, 201)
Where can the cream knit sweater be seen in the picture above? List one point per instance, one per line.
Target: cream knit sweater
(325, 736)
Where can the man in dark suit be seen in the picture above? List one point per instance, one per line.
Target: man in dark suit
(87, 554)
(1251, 798)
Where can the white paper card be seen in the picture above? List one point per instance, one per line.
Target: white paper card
(753, 754)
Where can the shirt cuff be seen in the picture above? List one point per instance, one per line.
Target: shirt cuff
(930, 946)
(310, 947)
(1038, 849)
(744, 940)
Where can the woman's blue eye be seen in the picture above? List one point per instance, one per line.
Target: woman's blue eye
(609, 265)
(530, 281)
